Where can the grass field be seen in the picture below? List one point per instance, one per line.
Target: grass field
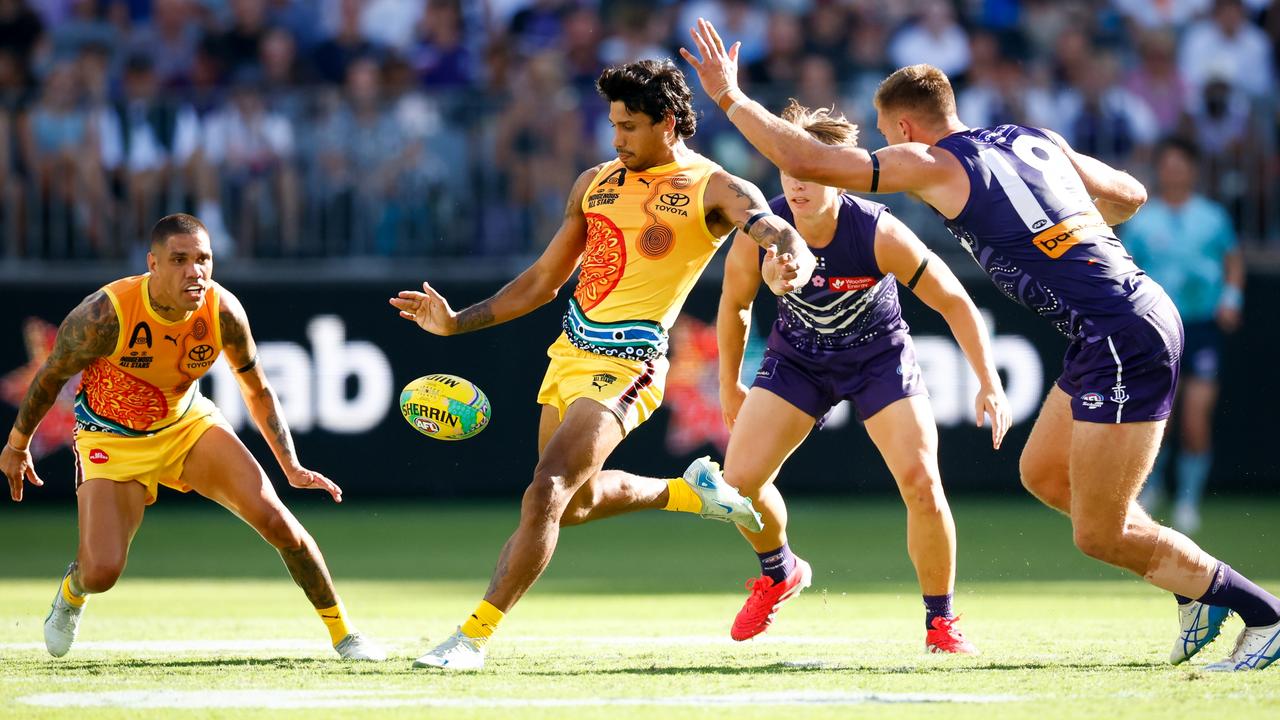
(631, 620)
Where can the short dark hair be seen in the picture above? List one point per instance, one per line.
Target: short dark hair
(176, 224)
(921, 89)
(653, 87)
(1179, 144)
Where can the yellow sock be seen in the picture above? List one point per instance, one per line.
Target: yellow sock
(335, 619)
(681, 497)
(70, 597)
(483, 621)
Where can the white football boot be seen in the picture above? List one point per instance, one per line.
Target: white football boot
(355, 646)
(1256, 648)
(720, 501)
(458, 652)
(1199, 625)
(62, 623)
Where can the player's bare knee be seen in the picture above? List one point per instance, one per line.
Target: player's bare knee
(922, 491)
(283, 531)
(746, 483)
(579, 508)
(548, 493)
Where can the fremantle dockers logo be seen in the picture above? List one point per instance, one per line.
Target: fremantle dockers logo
(1118, 395)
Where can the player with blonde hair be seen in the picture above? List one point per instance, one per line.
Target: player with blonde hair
(842, 337)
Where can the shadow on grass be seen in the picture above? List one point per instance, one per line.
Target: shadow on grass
(852, 668)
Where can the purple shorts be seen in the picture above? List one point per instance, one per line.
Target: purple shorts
(870, 376)
(1130, 375)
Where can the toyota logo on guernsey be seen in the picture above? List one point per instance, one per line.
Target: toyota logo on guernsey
(675, 199)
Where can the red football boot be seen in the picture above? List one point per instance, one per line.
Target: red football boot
(945, 637)
(766, 597)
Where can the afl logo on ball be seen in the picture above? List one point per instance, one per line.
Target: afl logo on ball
(426, 425)
(98, 456)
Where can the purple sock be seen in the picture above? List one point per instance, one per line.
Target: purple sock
(777, 564)
(1229, 589)
(1182, 599)
(936, 606)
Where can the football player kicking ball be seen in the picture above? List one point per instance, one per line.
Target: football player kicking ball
(142, 342)
(1037, 217)
(842, 337)
(643, 227)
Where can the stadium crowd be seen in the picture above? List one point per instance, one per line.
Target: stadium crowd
(455, 127)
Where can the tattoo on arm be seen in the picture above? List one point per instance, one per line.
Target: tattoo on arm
(280, 430)
(89, 331)
(477, 316)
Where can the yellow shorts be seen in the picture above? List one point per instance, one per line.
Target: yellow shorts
(630, 388)
(154, 460)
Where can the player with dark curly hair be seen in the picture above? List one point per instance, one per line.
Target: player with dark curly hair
(640, 229)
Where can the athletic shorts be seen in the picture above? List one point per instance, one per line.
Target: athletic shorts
(151, 460)
(1203, 351)
(871, 376)
(1130, 375)
(631, 389)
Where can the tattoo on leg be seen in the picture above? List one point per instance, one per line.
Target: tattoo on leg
(308, 571)
(500, 571)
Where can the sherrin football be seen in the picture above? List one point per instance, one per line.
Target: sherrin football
(445, 407)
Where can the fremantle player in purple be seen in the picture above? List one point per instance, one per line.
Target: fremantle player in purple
(1037, 216)
(842, 337)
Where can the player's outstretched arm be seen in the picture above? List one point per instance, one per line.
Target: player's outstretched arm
(242, 355)
(908, 167)
(900, 252)
(732, 202)
(1116, 193)
(89, 331)
(733, 322)
(530, 290)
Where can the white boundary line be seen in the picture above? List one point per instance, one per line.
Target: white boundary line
(368, 699)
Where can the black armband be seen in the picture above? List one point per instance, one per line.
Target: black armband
(746, 226)
(875, 173)
(915, 279)
(248, 366)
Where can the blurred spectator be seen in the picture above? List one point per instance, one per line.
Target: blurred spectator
(1156, 80)
(1101, 118)
(827, 31)
(1226, 45)
(1006, 94)
(736, 21)
(148, 144)
(285, 80)
(240, 44)
(934, 38)
(86, 26)
(361, 156)
(537, 142)
(582, 37)
(20, 33)
(537, 26)
(1163, 15)
(392, 23)
(170, 40)
(60, 150)
(300, 18)
(638, 34)
(437, 54)
(247, 152)
(331, 56)
(1187, 243)
(781, 65)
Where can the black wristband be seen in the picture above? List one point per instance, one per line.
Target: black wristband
(875, 173)
(911, 284)
(248, 366)
(746, 226)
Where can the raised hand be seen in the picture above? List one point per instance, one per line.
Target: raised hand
(717, 68)
(428, 309)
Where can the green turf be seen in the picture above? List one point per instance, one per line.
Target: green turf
(632, 608)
